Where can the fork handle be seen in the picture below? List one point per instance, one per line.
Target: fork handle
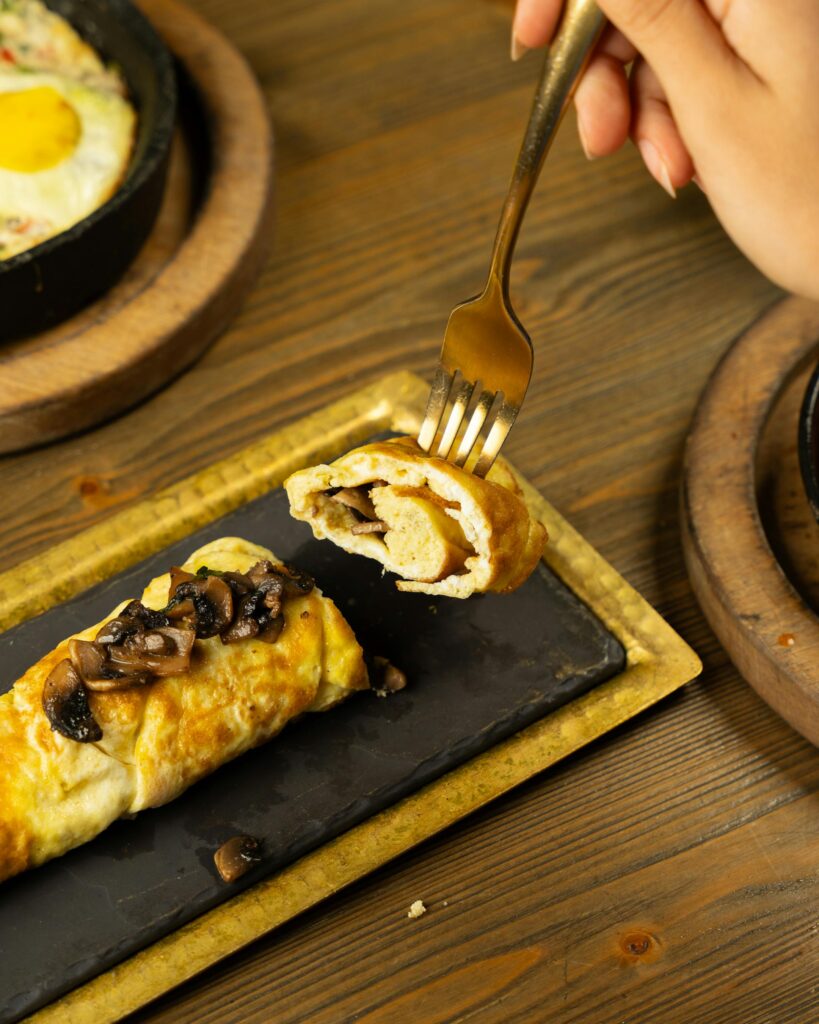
(580, 28)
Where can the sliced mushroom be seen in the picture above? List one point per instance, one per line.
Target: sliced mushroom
(220, 596)
(394, 679)
(241, 629)
(146, 617)
(244, 625)
(178, 577)
(356, 499)
(237, 856)
(133, 618)
(238, 582)
(116, 630)
(162, 652)
(205, 602)
(88, 657)
(182, 606)
(376, 526)
(271, 630)
(65, 703)
(271, 591)
(117, 680)
(259, 572)
(296, 582)
(179, 605)
(387, 678)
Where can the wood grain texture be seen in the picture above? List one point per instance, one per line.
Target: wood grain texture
(765, 624)
(397, 125)
(204, 252)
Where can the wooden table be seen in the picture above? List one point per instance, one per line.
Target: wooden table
(668, 873)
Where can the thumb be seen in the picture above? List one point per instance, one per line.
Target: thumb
(682, 43)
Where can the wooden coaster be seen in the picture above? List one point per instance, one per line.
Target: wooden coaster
(750, 541)
(186, 284)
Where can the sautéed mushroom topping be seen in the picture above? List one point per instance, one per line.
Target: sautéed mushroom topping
(141, 644)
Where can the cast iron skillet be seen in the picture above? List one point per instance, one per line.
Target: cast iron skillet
(809, 442)
(48, 283)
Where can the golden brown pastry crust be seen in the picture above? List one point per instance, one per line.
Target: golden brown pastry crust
(497, 546)
(160, 738)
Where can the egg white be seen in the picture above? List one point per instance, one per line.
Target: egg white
(39, 39)
(87, 177)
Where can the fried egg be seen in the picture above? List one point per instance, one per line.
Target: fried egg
(66, 131)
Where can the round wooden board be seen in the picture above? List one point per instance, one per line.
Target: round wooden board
(750, 542)
(199, 262)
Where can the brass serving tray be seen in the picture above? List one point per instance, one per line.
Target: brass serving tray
(658, 661)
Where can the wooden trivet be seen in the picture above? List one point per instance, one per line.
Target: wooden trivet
(198, 264)
(751, 545)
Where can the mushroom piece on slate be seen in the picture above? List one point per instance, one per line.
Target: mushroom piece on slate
(237, 856)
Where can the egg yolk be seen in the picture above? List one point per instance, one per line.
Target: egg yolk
(38, 129)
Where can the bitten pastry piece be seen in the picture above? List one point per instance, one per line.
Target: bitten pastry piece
(441, 529)
(145, 737)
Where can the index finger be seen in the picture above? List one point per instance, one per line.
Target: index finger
(535, 20)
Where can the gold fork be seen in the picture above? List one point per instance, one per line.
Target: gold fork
(487, 355)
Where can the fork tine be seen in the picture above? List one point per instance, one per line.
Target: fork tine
(462, 392)
(436, 404)
(497, 435)
(474, 428)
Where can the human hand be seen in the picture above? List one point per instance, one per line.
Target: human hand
(722, 91)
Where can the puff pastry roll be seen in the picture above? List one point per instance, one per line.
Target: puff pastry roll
(440, 529)
(163, 734)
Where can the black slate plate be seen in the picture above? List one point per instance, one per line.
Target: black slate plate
(479, 670)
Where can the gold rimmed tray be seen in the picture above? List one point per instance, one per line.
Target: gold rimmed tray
(657, 662)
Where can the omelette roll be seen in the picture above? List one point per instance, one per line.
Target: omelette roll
(108, 724)
(440, 529)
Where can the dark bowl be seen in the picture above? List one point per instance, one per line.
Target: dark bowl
(809, 442)
(46, 284)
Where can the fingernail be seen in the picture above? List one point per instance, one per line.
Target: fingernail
(518, 48)
(698, 182)
(656, 166)
(581, 131)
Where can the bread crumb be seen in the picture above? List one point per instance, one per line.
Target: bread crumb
(445, 903)
(417, 909)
